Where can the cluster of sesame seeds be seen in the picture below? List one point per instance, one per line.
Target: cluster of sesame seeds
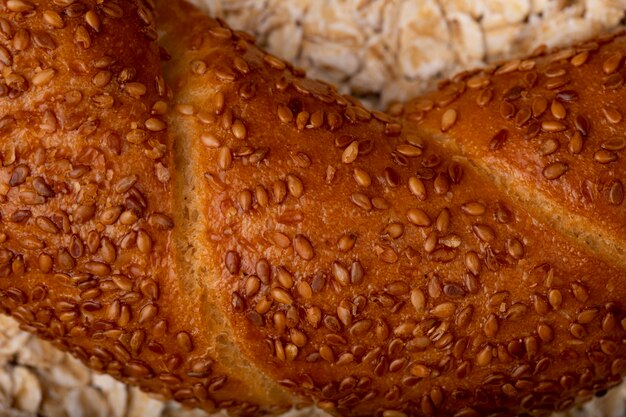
(85, 196)
(394, 273)
(539, 102)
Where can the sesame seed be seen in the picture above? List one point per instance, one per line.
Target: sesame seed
(303, 247)
(448, 119)
(19, 6)
(553, 126)
(616, 193)
(155, 125)
(613, 81)
(605, 157)
(281, 296)
(285, 114)
(417, 187)
(362, 178)
(558, 110)
(580, 59)
(350, 153)
(499, 140)
(555, 170)
(92, 19)
(43, 77)
(612, 63)
(478, 81)
(509, 67)
(224, 158)
(418, 217)
(612, 114)
(582, 124)
(409, 150)
(484, 97)
(239, 129)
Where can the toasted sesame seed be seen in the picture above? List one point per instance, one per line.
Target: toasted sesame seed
(522, 117)
(303, 247)
(19, 6)
(555, 170)
(92, 19)
(580, 59)
(499, 140)
(576, 143)
(417, 187)
(418, 217)
(361, 200)
(346, 242)
(472, 262)
(155, 125)
(558, 110)
(340, 273)
(444, 310)
(515, 248)
(582, 124)
(587, 316)
(350, 153)
(280, 239)
(616, 193)
(513, 93)
(491, 326)
(97, 268)
(284, 114)
(409, 150)
(580, 292)
(557, 82)
(448, 119)
(210, 140)
(616, 143)
(110, 215)
(613, 81)
(549, 146)
(473, 208)
(483, 358)
(545, 332)
(362, 178)
(553, 126)
(507, 110)
(484, 232)
(508, 67)
(484, 97)
(281, 296)
(327, 353)
(612, 63)
(224, 158)
(555, 298)
(612, 114)
(239, 129)
(302, 119)
(317, 119)
(605, 157)
(274, 62)
(478, 81)
(43, 77)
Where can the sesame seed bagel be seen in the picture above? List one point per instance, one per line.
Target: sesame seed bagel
(204, 221)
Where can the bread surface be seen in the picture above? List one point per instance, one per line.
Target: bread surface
(204, 221)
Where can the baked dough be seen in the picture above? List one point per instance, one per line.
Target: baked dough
(204, 221)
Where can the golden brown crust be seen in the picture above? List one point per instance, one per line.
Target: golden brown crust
(367, 263)
(449, 301)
